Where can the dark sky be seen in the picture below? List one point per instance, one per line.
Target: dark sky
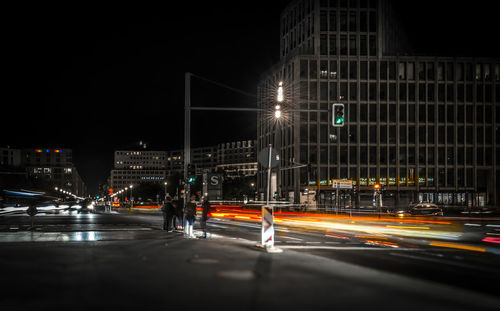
(98, 78)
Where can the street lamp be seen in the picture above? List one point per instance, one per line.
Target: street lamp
(165, 183)
(280, 97)
(131, 198)
(277, 112)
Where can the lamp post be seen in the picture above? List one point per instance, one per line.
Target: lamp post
(280, 98)
(131, 196)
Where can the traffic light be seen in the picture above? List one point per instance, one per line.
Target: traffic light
(338, 115)
(191, 174)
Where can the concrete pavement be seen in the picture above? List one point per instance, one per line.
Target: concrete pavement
(163, 270)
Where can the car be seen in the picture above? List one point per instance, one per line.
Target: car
(86, 206)
(425, 209)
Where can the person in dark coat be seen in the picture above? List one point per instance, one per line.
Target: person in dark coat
(168, 214)
(190, 214)
(179, 205)
(204, 215)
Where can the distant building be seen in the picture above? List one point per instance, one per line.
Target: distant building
(50, 168)
(237, 159)
(11, 172)
(204, 158)
(174, 161)
(10, 157)
(132, 167)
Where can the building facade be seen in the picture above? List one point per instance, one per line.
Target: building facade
(132, 167)
(237, 159)
(426, 128)
(50, 168)
(11, 172)
(10, 157)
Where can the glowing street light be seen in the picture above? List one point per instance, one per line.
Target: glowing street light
(280, 96)
(277, 112)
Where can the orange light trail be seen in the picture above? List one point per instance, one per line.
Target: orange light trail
(458, 246)
(321, 217)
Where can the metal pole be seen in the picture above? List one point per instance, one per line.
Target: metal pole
(268, 175)
(337, 199)
(187, 132)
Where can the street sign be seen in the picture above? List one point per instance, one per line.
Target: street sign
(263, 157)
(32, 210)
(214, 186)
(214, 181)
(341, 184)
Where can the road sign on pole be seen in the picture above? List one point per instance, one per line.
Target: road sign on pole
(263, 157)
(341, 184)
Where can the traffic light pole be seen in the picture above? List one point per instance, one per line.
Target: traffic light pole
(187, 134)
(187, 121)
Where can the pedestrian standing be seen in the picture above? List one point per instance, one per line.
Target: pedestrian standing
(178, 203)
(168, 213)
(190, 214)
(204, 215)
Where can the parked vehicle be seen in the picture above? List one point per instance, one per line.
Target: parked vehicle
(425, 209)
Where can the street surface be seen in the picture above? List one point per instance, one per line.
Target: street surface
(123, 260)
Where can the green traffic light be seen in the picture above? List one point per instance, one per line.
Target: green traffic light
(339, 120)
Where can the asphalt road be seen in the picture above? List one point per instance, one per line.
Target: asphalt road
(125, 261)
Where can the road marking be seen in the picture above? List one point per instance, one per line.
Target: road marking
(347, 248)
(291, 238)
(241, 275)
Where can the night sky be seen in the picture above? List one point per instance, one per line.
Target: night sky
(97, 78)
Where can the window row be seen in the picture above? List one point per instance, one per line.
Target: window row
(348, 45)
(451, 135)
(332, 20)
(388, 70)
(351, 4)
(392, 155)
(405, 176)
(407, 113)
(422, 92)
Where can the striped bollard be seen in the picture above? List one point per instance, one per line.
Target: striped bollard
(267, 227)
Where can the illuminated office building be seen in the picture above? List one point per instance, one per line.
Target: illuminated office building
(425, 127)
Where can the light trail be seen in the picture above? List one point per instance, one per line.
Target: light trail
(375, 230)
